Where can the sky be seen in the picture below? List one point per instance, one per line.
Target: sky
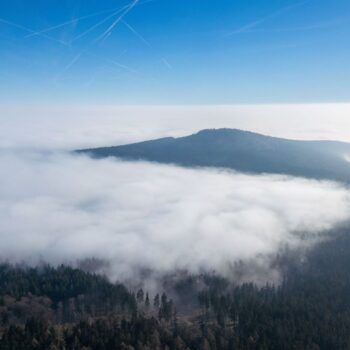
(178, 52)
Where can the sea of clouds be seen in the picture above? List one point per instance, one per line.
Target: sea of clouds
(60, 207)
(71, 127)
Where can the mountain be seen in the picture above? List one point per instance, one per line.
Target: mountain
(242, 151)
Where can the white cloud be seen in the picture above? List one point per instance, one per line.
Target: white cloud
(74, 127)
(61, 207)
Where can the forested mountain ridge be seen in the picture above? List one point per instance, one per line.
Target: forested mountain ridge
(242, 151)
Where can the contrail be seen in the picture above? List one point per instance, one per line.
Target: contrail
(167, 64)
(106, 37)
(146, 42)
(69, 22)
(108, 60)
(32, 31)
(321, 25)
(68, 66)
(103, 69)
(82, 18)
(117, 64)
(97, 25)
(122, 66)
(249, 26)
(74, 60)
(110, 28)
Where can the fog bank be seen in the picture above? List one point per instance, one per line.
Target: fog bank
(60, 207)
(72, 127)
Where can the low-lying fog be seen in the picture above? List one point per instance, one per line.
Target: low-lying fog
(72, 127)
(137, 215)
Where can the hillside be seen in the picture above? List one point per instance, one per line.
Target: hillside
(242, 151)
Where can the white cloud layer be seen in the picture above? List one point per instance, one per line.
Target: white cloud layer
(59, 207)
(67, 127)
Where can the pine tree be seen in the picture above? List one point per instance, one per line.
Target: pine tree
(140, 296)
(156, 301)
(147, 302)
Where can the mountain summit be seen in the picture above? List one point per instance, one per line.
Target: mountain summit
(242, 151)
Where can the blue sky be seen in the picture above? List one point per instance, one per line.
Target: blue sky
(174, 51)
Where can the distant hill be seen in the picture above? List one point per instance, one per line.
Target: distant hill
(243, 151)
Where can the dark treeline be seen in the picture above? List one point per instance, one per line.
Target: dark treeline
(66, 308)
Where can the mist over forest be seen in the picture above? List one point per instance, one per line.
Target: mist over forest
(224, 239)
(138, 216)
(162, 256)
(174, 175)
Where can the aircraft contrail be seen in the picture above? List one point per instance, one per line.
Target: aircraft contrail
(19, 26)
(97, 25)
(127, 9)
(110, 28)
(106, 37)
(99, 70)
(108, 32)
(117, 64)
(146, 42)
(129, 69)
(68, 66)
(74, 60)
(74, 20)
(167, 64)
(251, 25)
(321, 25)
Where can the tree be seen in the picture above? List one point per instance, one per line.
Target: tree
(156, 301)
(140, 296)
(147, 302)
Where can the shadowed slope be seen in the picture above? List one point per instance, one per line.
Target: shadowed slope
(242, 151)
